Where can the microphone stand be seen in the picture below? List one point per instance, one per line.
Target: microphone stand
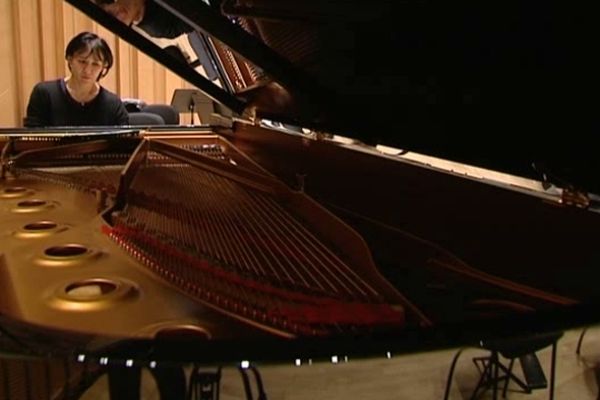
(191, 108)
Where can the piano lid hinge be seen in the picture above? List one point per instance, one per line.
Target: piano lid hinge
(574, 198)
(570, 196)
(319, 135)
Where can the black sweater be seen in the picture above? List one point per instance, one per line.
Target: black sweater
(50, 104)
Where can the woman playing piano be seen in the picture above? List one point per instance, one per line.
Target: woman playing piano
(79, 99)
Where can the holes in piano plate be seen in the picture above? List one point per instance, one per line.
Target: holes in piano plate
(183, 332)
(177, 330)
(40, 226)
(15, 192)
(67, 255)
(40, 229)
(90, 289)
(93, 294)
(34, 205)
(66, 251)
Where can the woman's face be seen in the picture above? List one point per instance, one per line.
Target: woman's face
(86, 66)
(126, 11)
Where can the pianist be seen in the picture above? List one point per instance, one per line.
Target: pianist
(79, 99)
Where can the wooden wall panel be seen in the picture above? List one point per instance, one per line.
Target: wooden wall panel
(27, 54)
(32, 50)
(145, 77)
(124, 62)
(9, 90)
(52, 65)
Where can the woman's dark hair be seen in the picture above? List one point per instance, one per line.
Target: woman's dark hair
(91, 44)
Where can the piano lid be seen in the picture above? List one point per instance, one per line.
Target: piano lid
(507, 85)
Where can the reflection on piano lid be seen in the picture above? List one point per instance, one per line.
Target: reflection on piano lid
(290, 234)
(481, 84)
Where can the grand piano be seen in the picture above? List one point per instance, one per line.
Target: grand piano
(397, 176)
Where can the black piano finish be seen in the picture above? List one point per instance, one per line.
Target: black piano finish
(503, 85)
(482, 84)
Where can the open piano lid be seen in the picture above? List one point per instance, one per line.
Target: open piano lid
(504, 85)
